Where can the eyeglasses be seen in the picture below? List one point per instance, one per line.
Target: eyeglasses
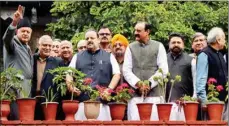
(102, 34)
(82, 47)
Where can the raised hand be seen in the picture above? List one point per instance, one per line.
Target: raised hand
(18, 15)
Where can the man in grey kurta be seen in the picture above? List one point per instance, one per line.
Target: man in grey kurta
(16, 52)
(142, 60)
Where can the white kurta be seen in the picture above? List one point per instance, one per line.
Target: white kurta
(104, 114)
(132, 79)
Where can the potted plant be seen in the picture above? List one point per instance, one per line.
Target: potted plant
(164, 109)
(70, 107)
(118, 100)
(144, 109)
(190, 106)
(10, 78)
(214, 105)
(26, 105)
(91, 106)
(50, 106)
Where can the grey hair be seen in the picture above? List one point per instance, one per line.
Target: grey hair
(214, 33)
(44, 38)
(66, 41)
(197, 34)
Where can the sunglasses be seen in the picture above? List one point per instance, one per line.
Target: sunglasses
(102, 34)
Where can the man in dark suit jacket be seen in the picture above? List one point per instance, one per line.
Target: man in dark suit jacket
(42, 80)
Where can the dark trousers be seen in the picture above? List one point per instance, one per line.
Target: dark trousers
(13, 111)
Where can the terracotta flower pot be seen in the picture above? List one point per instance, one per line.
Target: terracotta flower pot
(117, 110)
(144, 110)
(5, 109)
(190, 110)
(91, 109)
(70, 107)
(26, 108)
(50, 109)
(215, 111)
(164, 111)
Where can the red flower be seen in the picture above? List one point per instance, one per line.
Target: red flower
(87, 81)
(119, 88)
(131, 91)
(110, 91)
(212, 81)
(219, 88)
(124, 85)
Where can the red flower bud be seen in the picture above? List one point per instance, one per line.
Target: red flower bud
(87, 81)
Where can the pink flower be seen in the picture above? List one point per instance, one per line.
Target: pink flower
(110, 91)
(124, 85)
(87, 81)
(131, 91)
(219, 88)
(212, 81)
(119, 88)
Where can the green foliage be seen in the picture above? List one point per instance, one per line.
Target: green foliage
(162, 79)
(188, 98)
(60, 76)
(10, 78)
(123, 93)
(50, 96)
(75, 17)
(213, 91)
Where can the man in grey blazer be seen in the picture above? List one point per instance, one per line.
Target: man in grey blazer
(17, 53)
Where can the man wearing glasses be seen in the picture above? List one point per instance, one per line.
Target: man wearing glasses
(105, 36)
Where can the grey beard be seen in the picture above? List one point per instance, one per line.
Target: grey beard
(119, 54)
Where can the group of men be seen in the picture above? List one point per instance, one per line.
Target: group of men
(112, 61)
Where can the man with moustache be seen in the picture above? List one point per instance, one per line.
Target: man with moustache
(99, 65)
(119, 44)
(211, 64)
(65, 52)
(198, 43)
(42, 80)
(17, 53)
(142, 60)
(179, 63)
(105, 36)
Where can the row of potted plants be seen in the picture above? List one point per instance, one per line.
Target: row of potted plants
(10, 78)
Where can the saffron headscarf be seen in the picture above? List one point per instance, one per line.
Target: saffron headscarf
(120, 38)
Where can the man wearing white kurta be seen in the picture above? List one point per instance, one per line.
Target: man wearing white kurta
(99, 65)
(142, 60)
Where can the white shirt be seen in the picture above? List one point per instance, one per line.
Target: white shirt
(114, 64)
(132, 79)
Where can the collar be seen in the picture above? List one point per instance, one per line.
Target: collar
(144, 44)
(214, 50)
(177, 56)
(97, 51)
(42, 60)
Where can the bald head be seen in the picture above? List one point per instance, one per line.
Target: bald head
(66, 51)
(82, 45)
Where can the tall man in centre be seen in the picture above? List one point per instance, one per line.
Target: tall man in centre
(99, 65)
(142, 60)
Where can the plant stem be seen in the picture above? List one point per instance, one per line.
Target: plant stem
(171, 89)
